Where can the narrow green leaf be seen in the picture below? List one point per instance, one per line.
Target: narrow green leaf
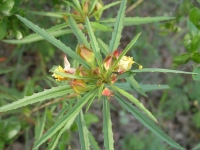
(54, 41)
(83, 132)
(116, 34)
(147, 122)
(6, 70)
(92, 5)
(130, 21)
(160, 70)
(79, 34)
(103, 46)
(105, 7)
(93, 142)
(135, 85)
(65, 109)
(39, 128)
(197, 147)
(55, 139)
(107, 126)
(38, 97)
(135, 101)
(128, 47)
(101, 27)
(145, 87)
(3, 29)
(35, 37)
(196, 70)
(48, 14)
(94, 43)
(62, 121)
(78, 6)
(89, 103)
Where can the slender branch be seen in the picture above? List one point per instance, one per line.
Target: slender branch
(133, 6)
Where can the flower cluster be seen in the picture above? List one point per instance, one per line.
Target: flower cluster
(113, 65)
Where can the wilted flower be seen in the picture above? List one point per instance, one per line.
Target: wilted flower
(57, 76)
(125, 63)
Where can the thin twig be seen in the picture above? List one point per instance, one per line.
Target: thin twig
(133, 6)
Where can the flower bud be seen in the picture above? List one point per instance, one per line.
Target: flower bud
(109, 61)
(116, 53)
(87, 54)
(98, 6)
(113, 78)
(78, 86)
(125, 63)
(107, 92)
(86, 7)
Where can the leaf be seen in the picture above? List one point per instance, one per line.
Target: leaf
(103, 46)
(35, 37)
(49, 14)
(93, 142)
(39, 128)
(197, 147)
(79, 34)
(193, 29)
(129, 21)
(67, 117)
(125, 50)
(92, 6)
(116, 34)
(107, 126)
(196, 57)
(145, 87)
(37, 97)
(135, 101)
(78, 6)
(181, 59)
(3, 29)
(6, 70)
(94, 43)
(135, 85)
(147, 122)
(65, 109)
(83, 132)
(101, 27)
(54, 41)
(160, 70)
(195, 17)
(105, 7)
(55, 139)
(7, 6)
(196, 70)
(89, 103)
(11, 130)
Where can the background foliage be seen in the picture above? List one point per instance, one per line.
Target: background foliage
(24, 71)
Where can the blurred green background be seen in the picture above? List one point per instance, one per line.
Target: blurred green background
(24, 70)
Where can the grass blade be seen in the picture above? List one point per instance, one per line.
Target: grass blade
(62, 121)
(135, 101)
(83, 132)
(54, 41)
(116, 34)
(107, 126)
(38, 97)
(147, 122)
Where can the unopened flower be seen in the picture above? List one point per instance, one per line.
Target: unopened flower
(108, 62)
(107, 92)
(79, 86)
(87, 54)
(125, 63)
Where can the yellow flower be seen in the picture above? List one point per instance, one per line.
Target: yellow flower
(57, 76)
(125, 63)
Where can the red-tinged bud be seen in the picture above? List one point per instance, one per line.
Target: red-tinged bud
(78, 86)
(76, 13)
(116, 53)
(109, 61)
(87, 54)
(107, 92)
(113, 78)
